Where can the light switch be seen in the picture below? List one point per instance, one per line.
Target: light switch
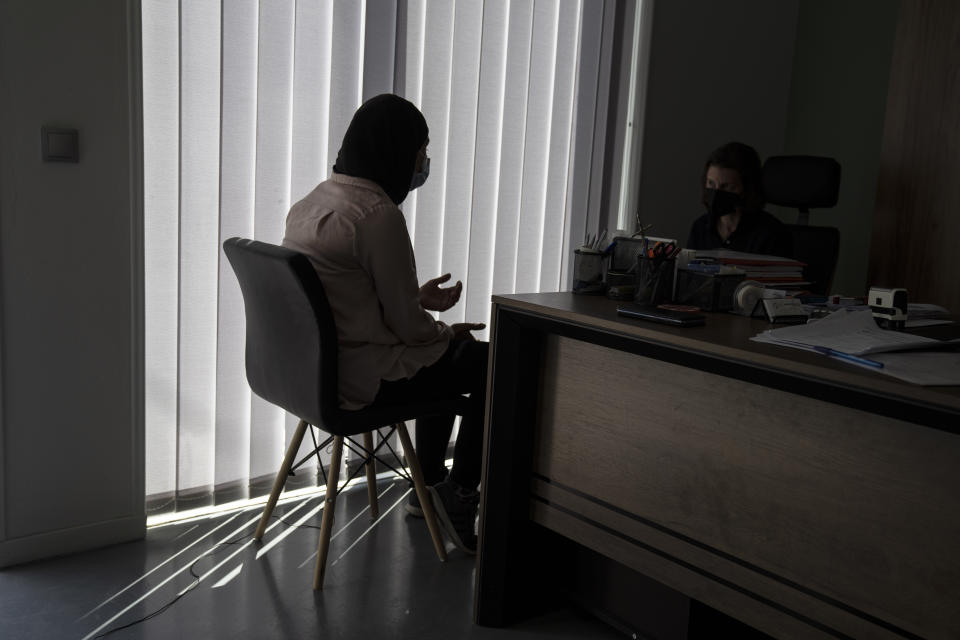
(60, 145)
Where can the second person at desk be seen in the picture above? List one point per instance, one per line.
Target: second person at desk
(732, 192)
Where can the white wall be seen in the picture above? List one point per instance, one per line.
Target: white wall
(719, 71)
(70, 383)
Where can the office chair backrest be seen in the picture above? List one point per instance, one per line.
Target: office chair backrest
(801, 182)
(291, 346)
(804, 183)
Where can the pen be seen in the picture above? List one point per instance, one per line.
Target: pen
(641, 229)
(827, 351)
(602, 237)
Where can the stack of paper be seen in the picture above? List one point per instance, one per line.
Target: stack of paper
(926, 315)
(770, 270)
(850, 335)
(852, 332)
(923, 310)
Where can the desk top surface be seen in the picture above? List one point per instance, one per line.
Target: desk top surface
(726, 336)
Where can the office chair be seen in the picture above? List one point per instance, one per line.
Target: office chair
(806, 182)
(291, 361)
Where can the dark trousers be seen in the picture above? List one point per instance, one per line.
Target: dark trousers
(461, 369)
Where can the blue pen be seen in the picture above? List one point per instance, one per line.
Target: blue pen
(827, 351)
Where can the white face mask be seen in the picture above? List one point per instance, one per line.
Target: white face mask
(421, 176)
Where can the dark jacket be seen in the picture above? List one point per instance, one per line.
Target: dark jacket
(758, 232)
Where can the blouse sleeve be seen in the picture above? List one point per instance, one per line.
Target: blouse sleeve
(384, 249)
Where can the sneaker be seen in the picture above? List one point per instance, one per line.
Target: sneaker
(413, 505)
(456, 510)
(413, 500)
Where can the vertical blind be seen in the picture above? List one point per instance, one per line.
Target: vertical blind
(245, 104)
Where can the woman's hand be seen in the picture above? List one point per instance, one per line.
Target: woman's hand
(433, 298)
(461, 330)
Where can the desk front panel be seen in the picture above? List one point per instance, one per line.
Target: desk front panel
(799, 516)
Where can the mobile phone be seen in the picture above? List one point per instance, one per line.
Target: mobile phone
(664, 316)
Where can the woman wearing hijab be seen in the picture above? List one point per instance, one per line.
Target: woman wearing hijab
(733, 196)
(391, 349)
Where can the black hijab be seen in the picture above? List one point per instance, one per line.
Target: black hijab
(382, 142)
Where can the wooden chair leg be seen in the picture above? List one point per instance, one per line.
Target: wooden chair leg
(326, 524)
(371, 476)
(422, 494)
(281, 479)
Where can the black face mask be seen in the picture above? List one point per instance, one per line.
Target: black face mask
(719, 203)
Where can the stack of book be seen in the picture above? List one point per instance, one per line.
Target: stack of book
(767, 270)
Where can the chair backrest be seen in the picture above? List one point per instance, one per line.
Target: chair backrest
(804, 183)
(818, 247)
(291, 345)
(801, 182)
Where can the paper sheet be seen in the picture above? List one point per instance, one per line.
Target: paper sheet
(925, 322)
(853, 332)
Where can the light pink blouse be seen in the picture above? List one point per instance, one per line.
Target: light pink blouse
(357, 240)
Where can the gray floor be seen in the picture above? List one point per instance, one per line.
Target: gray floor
(383, 581)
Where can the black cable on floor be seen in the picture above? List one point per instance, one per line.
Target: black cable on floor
(161, 609)
(195, 582)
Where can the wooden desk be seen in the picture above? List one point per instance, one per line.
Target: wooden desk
(804, 496)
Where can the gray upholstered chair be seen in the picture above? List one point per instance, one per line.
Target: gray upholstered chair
(291, 361)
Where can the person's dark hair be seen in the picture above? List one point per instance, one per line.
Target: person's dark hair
(382, 142)
(745, 160)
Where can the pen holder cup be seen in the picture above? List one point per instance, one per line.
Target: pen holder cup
(710, 292)
(587, 271)
(654, 280)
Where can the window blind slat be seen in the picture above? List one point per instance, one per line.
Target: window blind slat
(346, 72)
(309, 131)
(539, 115)
(237, 178)
(161, 186)
(380, 46)
(463, 90)
(311, 86)
(199, 239)
(348, 43)
(413, 91)
(555, 245)
(585, 140)
(486, 187)
(272, 198)
(512, 144)
(435, 105)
